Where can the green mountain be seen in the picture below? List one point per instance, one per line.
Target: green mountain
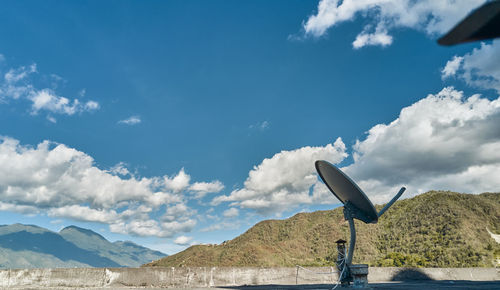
(28, 246)
(435, 229)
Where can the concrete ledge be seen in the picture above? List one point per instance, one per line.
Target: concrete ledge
(213, 277)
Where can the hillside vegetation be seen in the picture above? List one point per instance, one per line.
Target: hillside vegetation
(435, 229)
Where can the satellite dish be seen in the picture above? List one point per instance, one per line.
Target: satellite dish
(347, 191)
(483, 23)
(356, 205)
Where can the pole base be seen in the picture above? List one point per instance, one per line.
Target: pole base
(359, 274)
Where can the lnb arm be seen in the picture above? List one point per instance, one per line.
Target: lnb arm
(393, 200)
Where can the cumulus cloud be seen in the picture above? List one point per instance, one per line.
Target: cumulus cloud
(24, 209)
(177, 183)
(202, 188)
(284, 180)
(17, 84)
(430, 16)
(183, 240)
(444, 141)
(63, 182)
(479, 68)
(232, 212)
(178, 212)
(133, 120)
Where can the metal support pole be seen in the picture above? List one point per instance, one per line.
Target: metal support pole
(350, 212)
(352, 242)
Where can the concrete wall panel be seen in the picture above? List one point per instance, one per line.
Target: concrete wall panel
(216, 276)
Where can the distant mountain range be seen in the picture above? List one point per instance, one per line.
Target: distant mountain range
(435, 229)
(29, 246)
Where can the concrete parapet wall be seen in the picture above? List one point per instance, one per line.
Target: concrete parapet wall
(212, 277)
(383, 274)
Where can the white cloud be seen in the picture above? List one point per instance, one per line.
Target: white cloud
(284, 181)
(46, 100)
(17, 84)
(16, 75)
(183, 240)
(225, 225)
(179, 226)
(63, 182)
(232, 212)
(51, 119)
(178, 182)
(150, 227)
(8, 91)
(451, 67)
(379, 37)
(202, 188)
(84, 213)
(91, 105)
(24, 209)
(133, 120)
(479, 68)
(120, 169)
(444, 141)
(178, 212)
(208, 215)
(260, 125)
(431, 16)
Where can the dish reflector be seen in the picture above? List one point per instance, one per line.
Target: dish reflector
(347, 191)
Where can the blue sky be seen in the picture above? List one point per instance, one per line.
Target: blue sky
(170, 123)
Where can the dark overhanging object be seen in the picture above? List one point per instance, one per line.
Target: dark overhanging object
(356, 206)
(483, 23)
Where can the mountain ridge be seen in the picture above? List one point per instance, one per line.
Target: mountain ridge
(31, 246)
(82, 230)
(435, 229)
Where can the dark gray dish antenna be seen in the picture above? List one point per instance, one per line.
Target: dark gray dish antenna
(347, 191)
(483, 23)
(356, 203)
